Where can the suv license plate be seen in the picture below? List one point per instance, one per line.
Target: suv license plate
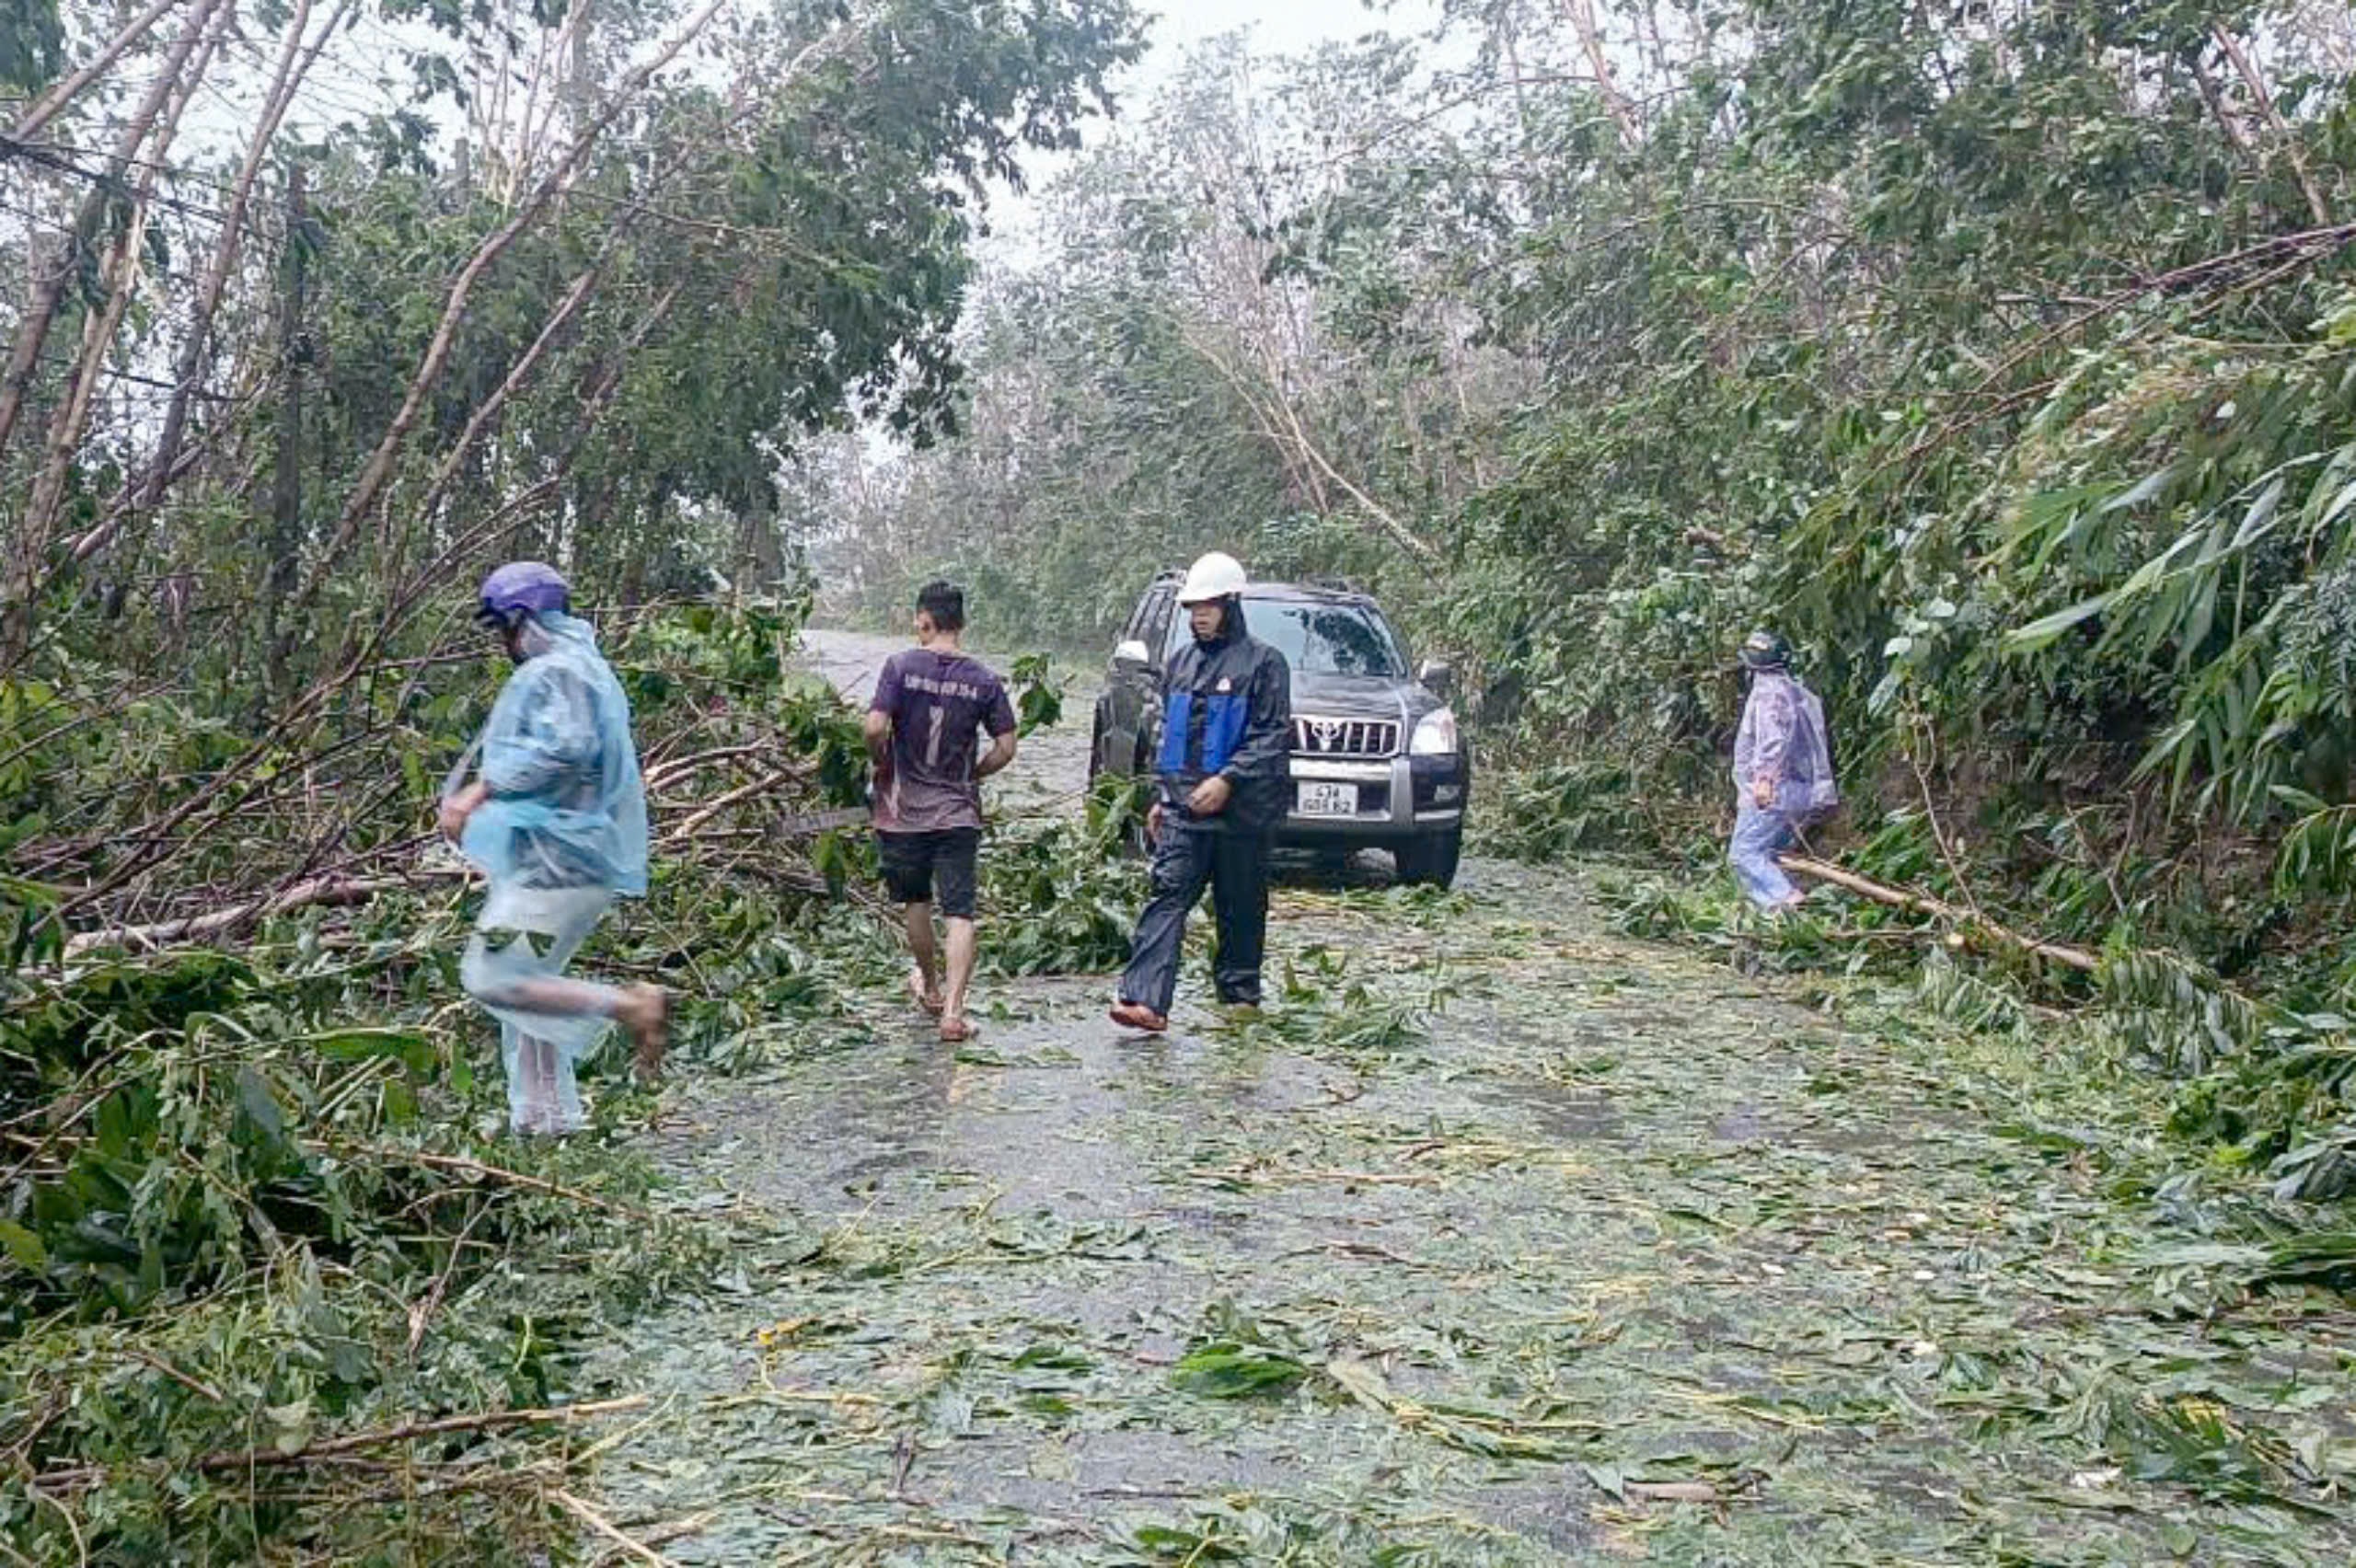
(1320, 799)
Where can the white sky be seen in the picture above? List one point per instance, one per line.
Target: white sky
(1273, 26)
(1283, 28)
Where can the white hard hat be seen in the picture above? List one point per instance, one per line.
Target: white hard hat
(1216, 576)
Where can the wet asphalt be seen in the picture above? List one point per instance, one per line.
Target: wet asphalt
(1562, 1247)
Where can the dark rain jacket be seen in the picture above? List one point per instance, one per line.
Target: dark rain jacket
(1227, 708)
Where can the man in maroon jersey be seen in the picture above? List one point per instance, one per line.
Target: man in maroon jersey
(932, 705)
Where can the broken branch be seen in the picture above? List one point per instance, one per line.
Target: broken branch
(2078, 959)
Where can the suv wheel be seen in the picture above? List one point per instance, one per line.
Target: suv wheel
(1431, 861)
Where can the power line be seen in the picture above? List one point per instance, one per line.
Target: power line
(35, 152)
(49, 155)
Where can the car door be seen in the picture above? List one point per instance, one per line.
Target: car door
(1131, 687)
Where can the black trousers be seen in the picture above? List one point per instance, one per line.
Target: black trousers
(1186, 858)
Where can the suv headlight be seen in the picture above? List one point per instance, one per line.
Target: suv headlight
(1435, 734)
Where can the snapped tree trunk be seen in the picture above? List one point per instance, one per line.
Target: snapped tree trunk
(286, 498)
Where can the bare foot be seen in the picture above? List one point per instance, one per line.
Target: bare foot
(957, 1030)
(921, 989)
(645, 1011)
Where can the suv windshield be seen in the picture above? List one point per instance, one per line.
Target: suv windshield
(1319, 638)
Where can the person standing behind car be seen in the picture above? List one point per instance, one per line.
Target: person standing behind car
(1783, 771)
(1222, 774)
(931, 702)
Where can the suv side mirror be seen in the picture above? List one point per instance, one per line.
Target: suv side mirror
(1437, 678)
(1132, 652)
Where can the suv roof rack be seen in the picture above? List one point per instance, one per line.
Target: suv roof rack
(1329, 584)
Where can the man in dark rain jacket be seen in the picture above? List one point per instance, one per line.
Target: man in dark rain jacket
(1224, 769)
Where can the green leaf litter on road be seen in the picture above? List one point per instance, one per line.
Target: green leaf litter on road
(1498, 1241)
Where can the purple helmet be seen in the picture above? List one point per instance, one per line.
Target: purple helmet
(522, 588)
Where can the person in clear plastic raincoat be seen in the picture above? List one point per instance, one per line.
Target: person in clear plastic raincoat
(1783, 771)
(555, 817)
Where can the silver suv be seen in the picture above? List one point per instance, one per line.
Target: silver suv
(1376, 760)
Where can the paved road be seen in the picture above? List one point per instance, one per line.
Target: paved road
(1503, 1238)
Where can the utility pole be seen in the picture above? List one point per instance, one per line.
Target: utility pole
(286, 498)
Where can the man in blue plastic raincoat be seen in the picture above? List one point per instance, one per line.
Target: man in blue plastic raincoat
(555, 817)
(1783, 771)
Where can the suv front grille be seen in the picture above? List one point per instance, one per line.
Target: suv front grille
(1345, 737)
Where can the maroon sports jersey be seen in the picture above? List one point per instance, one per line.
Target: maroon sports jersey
(938, 704)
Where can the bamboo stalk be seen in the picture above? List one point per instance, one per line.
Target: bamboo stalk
(330, 1448)
(611, 1532)
(47, 106)
(2074, 958)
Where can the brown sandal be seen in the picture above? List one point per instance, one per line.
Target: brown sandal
(957, 1030)
(926, 1000)
(1137, 1015)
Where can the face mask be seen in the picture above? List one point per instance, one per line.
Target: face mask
(525, 641)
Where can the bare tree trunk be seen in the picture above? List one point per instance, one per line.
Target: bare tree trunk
(759, 548)
(2217, 110)
(1293, 440)
(166, 468)
(286, 498)
(294, 63)
(46, 108)
(2266, 106)
(119, 275)
(1581, 16)
(561, 95)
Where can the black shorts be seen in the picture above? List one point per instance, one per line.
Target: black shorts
(935, 868)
